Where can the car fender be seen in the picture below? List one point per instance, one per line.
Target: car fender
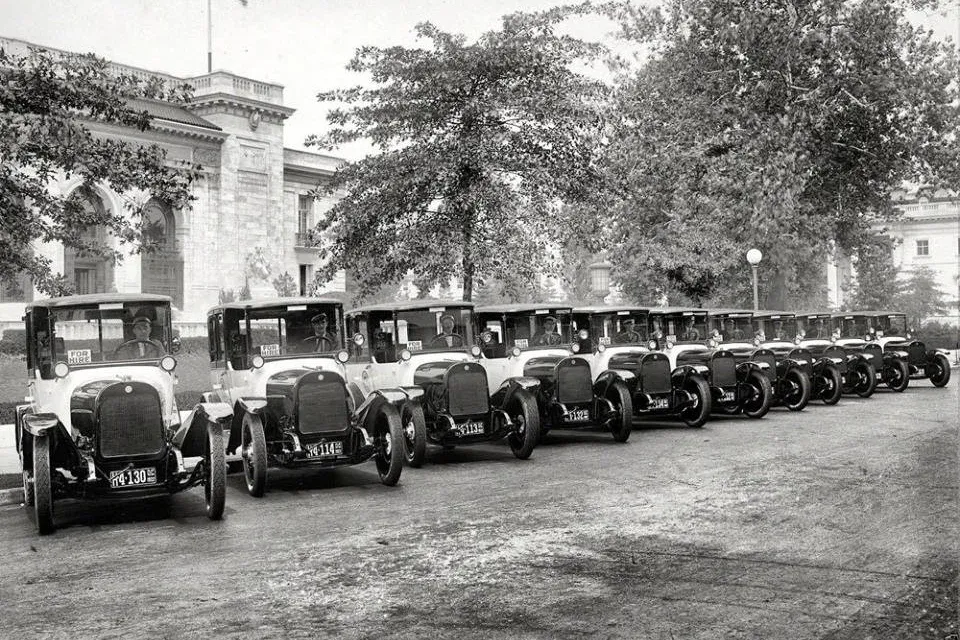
(191, 437)
(606, 379)
(680, 375)
(933, 353)
(744, 368)
(789, 363)
(377, 401)
(509, 388)
(64, 453)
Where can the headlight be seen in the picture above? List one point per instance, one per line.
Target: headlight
(713, 343)
(257, 361)
(584, 334)
(405, 355)
(669, 345)
(358, 339)
(908, 335)
(756, 341)
(652, 345)
(601, 348)
(575, 348)
(515, 352)
(61, 369)
(168, 363)
(475, 351)
(797, 340)
(343, 356)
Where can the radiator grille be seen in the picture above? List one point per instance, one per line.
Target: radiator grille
(129, 420)
(467, 390)
(723, 371)
(321, 404)
(655, 375)
(918, 353)
(574, 382)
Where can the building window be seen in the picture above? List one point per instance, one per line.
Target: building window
(923, 247)
(304, 215)
(306, 279)
(84, 281)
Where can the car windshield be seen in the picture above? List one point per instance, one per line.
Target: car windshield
(815, 327)
(293, 330)
(622, 327)
(682, 327)
(732, 328)
(537, 329)
(106, 332)
(776, 327)
(892, 325)
(416, 330)
(853, 326)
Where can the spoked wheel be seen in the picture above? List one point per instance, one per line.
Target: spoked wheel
(898, 375)
(798, 392)
(698, 412)
(523, 412)
(414, 434)
(867, 382)
(215, 472)
(832, 385)
(758, 404)
(253, 452)
(42, 485)
(939, 371)
(622, 423)
(388, 439)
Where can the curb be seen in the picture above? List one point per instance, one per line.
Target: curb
(11, 496)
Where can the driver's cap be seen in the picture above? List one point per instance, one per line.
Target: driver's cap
(447, 316)
(142, 320)
(320, 317)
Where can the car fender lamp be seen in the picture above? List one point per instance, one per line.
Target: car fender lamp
(515, 352)
(342, 356)
(575, 347)
(358, 339)
(168, 363)
(475, 351)
(257, 361)
(405, 355)
(61, 370)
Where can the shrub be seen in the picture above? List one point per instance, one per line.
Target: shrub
(938, 335)
(14, 342)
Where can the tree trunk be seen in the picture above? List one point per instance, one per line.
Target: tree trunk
(468, 269)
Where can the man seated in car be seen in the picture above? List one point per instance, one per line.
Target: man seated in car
(690, 332)
(819, 331)
(851, 330)
(446, 337)
(321, 339)
(730, 331)
(778, 331)
(141, 346)
(548, 335)
(629, 333)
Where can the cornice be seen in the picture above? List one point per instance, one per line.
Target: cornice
(200, 105)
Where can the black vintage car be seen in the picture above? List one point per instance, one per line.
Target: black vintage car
(279, 366)
(536, 342)
(736, 385)
(101, 419)
(615, 340)
(423, 355)
(778, 332)
(788, 369)
(819, 335)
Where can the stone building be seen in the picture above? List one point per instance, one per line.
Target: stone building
(249, 221)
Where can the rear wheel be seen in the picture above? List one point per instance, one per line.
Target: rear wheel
(388, 439)
(867, 383)
(523, 412)
(939, 371)
(798, 393)
(620, 426)
(832, 385)
(761, 396)
(42, 486)
(27, 483)
(898, 375)
(414, 434)
(698, 412)
(215, 480)
(253, 451)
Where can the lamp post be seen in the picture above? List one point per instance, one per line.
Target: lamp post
(600, 278)
(754, 257)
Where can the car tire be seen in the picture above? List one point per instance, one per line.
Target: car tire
(619, 395)
(42, 485)
(388, 436)
(939, 371)
(523, 411)
(414, 434)
(253, 451)
(215, 482)
(27, 483)
(868, 379)
(697, 415)
(799, 396)
(898, 379)
(832, 385)
(759, 405)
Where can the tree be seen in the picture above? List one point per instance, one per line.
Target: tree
(783, 127)
(921, 297)
(48, 103)
(478, 144)
(285, 285)
(877, 285)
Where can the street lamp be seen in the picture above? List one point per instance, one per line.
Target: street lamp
(600, 278)
(754, 257)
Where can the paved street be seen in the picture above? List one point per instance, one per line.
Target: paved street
(839, 522)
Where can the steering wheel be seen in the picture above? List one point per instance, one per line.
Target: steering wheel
(442, 340)
(130, 343)
(549, 339)
(319, 340)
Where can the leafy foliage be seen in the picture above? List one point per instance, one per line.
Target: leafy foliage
(877, 285)
(921, 296)
(47, 104)
(783, 126)
(285, 285)
(479, 142)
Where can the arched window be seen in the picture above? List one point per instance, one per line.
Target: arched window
(89, 273)
(161, 268)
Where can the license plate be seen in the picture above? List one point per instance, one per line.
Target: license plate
(578, 415)
(470, 428)
(660, 403)
(133, 477)
(325, 449)
(728, 396)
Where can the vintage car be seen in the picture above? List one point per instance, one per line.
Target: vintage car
(423, 356)
(614, 339)
(100, 418)
(889, 330)
(778, 333)
(737, 386)
(279, 366)
(534, 342)
(857, 372)
(788, 368)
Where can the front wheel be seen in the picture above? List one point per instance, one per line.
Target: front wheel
(831, 385)
(622, 423)
(215, 480)
(523, 412)
(414, 434)
(388, 439)
(42, 486)
(253, 451)
(758, 404)
(939, 371)
(798, 394)
(898, 375)
(698, 412)
(867, 383)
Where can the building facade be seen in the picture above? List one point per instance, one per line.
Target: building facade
(250, 218)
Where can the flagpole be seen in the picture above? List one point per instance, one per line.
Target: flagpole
(209, 36)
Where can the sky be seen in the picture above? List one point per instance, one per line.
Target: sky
(301, 44)
(304, 45)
